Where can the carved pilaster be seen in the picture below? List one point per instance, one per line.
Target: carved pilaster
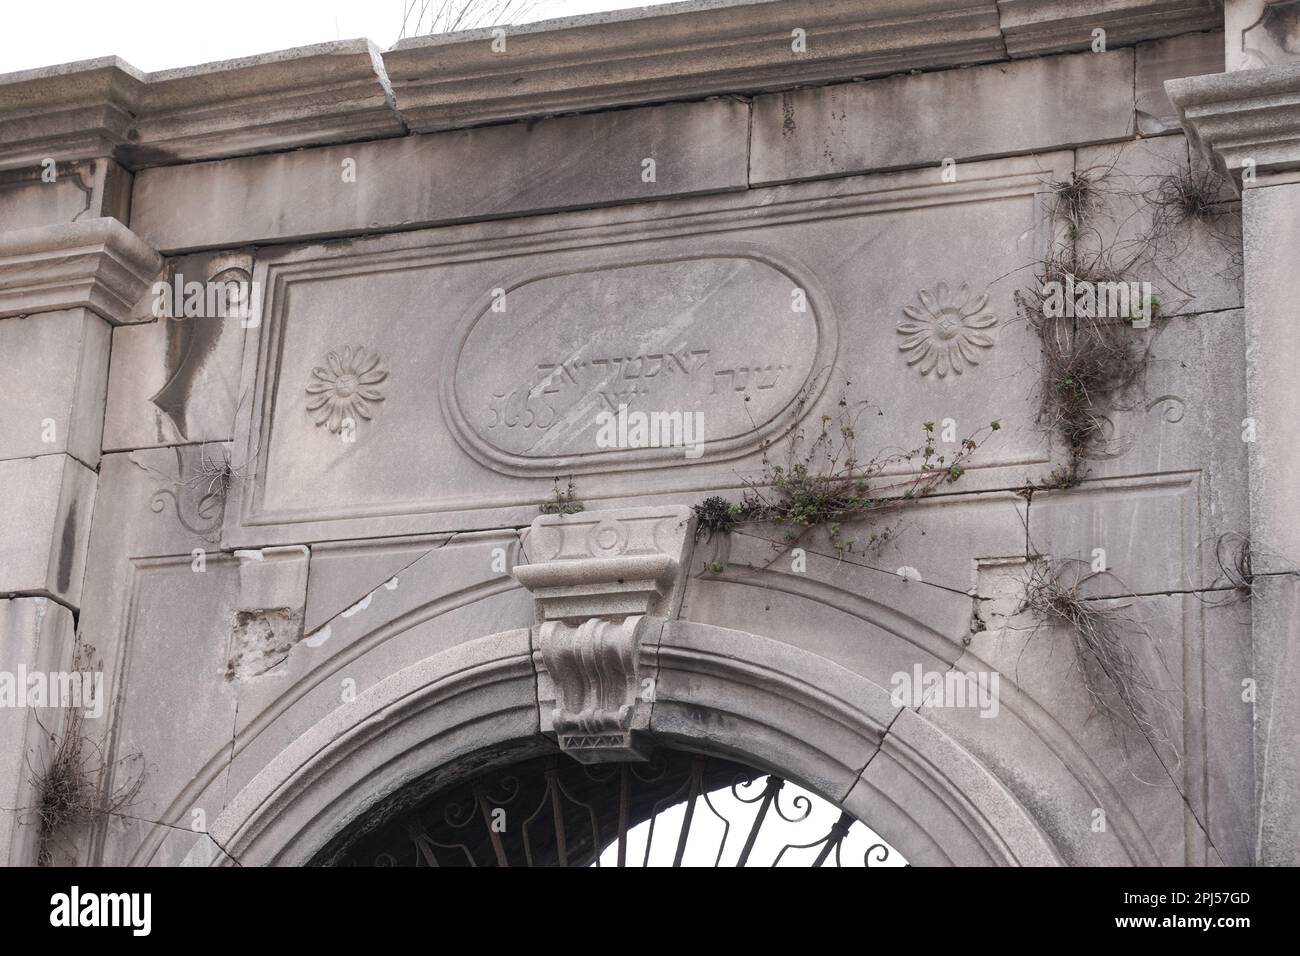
(1248, 123)
(604, 584)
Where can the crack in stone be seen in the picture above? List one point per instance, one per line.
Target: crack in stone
(172, 826)
(348, 611)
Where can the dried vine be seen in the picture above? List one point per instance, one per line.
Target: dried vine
(824, 480)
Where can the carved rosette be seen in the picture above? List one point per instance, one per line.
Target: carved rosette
(344, 388)
(604, 584)
(944, 334)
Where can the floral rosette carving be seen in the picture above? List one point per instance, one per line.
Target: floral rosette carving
(345, 387)
(944, 334)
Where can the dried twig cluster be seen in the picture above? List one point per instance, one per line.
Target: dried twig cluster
(69, 786)
(1105, 637)
(422, 17)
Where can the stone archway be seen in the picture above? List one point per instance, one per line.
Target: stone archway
(678, 808)
(476, 705)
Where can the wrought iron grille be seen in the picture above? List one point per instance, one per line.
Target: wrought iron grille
(678, 809)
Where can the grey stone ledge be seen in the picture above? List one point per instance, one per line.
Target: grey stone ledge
(685, 50)
(98, 264)
(1242, 117)
(340, 92)
(1035, 27)
(327, 93)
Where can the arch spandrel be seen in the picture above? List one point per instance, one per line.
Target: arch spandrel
(762, 699)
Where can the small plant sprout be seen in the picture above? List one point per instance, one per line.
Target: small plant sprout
(562, 502)
(825, 481)
(714, 515)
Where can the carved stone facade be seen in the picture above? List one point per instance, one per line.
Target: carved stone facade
(298, 520)
(605, 584)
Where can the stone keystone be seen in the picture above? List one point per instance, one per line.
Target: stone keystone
(604, 582)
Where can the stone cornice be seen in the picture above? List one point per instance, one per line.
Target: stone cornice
(679, 51)
(697, 49)
(1243, 117)
(1035, 27)
(340, 92)
(329, 93)
(96, 264)
(68, 112)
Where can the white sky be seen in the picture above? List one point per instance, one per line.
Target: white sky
(709, 834)
(162, 34)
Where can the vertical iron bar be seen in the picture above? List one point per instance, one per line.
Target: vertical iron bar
(774, 784)
(697, 775)
(624, 811)
(557, 814)
(834, 838)
(486, 812)
(419, 838)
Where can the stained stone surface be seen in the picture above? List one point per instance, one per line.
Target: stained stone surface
(1261, 33)
(175, 378)
(491, 405)
(65, 192)
(54, 397)
(954, 114)
(560, 163)
(1271, 223)
(36, 634)
(307, 545)
(43, 532)
(1191, 55)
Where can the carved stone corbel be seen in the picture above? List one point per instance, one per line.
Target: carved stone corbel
(604, 583)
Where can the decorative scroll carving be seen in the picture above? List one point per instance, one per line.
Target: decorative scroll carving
(604, 583)
(594, 668)
(193, 345)
(1273, 39)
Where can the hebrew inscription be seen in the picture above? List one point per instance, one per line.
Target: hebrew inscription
(733, 339)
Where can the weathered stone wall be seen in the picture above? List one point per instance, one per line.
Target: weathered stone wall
(290, 535)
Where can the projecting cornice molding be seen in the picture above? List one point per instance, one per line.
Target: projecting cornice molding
(329, 93)
(1247, 119)
(1035, 27)
(341, 92)
(697, 49)
(98, 264)
(680, 51)
(73, 111)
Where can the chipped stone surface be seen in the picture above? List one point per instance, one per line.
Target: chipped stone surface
(308, 546)
(260, 641)
(1192, 55)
